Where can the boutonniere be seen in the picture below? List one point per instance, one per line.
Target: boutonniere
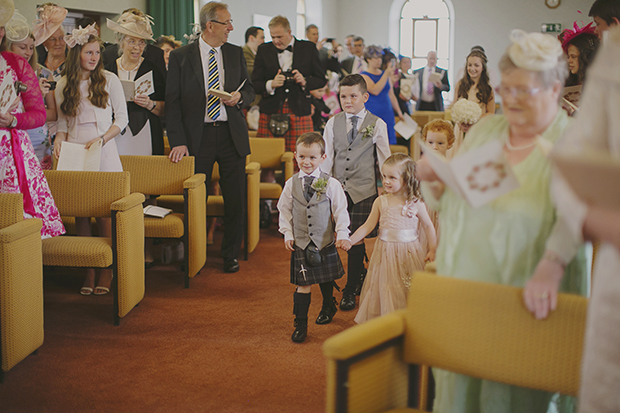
(320, 186)
(368, 131)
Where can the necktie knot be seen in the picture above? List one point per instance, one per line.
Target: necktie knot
(288, 48)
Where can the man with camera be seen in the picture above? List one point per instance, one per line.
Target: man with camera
(285, 71)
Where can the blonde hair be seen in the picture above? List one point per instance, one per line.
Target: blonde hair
(440, 125)
(407, 171)
(280, 21)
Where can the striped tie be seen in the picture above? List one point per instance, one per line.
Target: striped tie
(213, 103)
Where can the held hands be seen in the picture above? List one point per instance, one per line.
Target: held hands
(289, 245)
(177, 153)
(343, 244)
(278, 81)
(541, 291)
(236, 96)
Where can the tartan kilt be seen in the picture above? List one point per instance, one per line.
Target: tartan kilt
(299, 126)
(330, 269)
(358, 214)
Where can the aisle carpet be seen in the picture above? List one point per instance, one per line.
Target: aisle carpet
(221, 346)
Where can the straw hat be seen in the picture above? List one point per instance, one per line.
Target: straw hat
(17, 29)
(132, 25)
(50, 19)
(6, 11)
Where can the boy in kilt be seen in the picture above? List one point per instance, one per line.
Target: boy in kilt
(356, 141)
(308, 203)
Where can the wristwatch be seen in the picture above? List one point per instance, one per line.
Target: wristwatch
(13, 122)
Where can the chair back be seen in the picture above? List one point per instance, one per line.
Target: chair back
(267, 152)
(157, 175)
(87, 194)
(484, 330)
(11, 209)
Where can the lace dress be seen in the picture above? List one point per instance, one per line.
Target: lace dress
(20, 171)
(397, 254)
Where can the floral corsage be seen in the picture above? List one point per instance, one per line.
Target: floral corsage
(368, 131)
(320, 186)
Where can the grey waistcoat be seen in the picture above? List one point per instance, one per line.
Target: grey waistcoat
(354, 164)
(312, 221)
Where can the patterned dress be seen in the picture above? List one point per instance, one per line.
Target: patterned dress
(20, 171)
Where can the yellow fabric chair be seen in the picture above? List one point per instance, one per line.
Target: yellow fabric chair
(270, 153)
(101, 195)
(157, 175)
(21, 283)
(477, 329)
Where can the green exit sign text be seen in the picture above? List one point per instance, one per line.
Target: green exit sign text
(551, 28)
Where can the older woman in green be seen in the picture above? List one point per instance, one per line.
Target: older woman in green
(518, 238)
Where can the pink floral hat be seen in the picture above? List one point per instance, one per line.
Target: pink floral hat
(50, 19)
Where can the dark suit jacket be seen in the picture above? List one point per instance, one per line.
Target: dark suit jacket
(151, 53)
(445, 87)
(186, 99)
(266, 66)
(347, 64)
(329, 62)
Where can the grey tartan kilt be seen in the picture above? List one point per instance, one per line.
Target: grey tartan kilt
(358, 213)
(330, 269)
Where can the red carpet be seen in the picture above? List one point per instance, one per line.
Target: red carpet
(221, 346)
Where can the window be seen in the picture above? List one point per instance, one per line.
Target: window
(425, 26)
(301, 19)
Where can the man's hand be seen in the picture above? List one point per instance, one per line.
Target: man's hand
(236, 96)
(177, 153)
(343, 244)
(278, 81)
(299, 78)
(437, 84)
(289, 245)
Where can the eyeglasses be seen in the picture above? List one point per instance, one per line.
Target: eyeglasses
(132, 43)
(226, 23)
(56, 39)
(519, 93)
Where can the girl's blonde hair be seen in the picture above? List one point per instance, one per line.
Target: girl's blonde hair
(407, 171)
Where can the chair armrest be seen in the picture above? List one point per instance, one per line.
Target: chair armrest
(252, 168)
(127, 202)
(363, 337)
(20, 230)
(194, 181)
(287, 164)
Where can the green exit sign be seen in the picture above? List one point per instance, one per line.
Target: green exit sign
(551, 28)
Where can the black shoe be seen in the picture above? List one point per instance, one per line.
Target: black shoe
(327, 314)
(231, 265)
(348, 301)
(265, 215)
(301, 330)
(358, 290)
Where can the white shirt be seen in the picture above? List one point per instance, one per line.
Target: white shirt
(380, 139)
(334, 192)
(285, 59)
(204, 56)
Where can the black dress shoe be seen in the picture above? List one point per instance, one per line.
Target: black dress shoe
(327, 314)
(231, 265)
(301, 331)
(348, 301)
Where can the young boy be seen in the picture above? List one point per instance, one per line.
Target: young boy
(355, 141)
(308, 202)
(439, 135)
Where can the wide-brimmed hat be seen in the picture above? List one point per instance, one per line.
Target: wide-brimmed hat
(132, 25)
(6, 11)
(50, 19)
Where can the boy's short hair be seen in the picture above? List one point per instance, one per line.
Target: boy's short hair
(310, 138)
(440, 125)
(606, 10)
(353, 80)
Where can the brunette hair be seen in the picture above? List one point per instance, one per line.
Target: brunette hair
(407, 171)
(310, 138)
(606, 10)
(485, 91)
(440, 125)
(587, 45)
(97, 95)
(355, 80)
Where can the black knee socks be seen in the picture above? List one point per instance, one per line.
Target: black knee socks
(327, 291)
(301, 304)
(354, 267)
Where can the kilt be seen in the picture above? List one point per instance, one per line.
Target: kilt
(330, 269)
(358, 214)
(299, 126)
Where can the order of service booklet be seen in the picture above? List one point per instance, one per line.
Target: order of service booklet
(75, 157)
(141, 86)
(156, 211)
(479, 175)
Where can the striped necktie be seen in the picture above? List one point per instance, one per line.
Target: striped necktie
(213, 103)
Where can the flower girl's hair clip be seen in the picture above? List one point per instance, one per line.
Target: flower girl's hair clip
(80, 36)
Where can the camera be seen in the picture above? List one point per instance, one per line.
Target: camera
(20, 87)
(289, 75)
(52, 84)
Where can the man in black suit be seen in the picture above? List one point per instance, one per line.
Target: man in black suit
(285, 71)
(328, 58)
(210, 128)
(355, 64)
(430, 91)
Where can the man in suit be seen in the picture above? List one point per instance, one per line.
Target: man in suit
(254, 37)
(210, 128)
(429, 92)
(355, 64)
(329, 60)
(285, 71)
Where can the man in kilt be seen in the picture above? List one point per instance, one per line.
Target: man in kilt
(308, 203)
(285, 71)
(356, 141)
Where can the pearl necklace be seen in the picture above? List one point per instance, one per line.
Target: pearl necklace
(510, 147)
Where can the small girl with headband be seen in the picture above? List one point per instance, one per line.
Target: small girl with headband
(399, 251)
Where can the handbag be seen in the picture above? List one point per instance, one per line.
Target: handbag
(279, 124)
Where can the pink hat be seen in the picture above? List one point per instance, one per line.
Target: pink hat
(50, 19)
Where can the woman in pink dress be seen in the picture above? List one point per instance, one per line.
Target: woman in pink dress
(20, 171)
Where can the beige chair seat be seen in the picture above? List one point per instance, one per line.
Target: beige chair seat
(171, 226)
(78, 252)
(270, 190)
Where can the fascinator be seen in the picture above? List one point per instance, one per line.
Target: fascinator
(133, 25)
(80, 36)
(6, 11)
(569, 34)
(534, 51)
(191, 38)
(50, 19)
(17, 29)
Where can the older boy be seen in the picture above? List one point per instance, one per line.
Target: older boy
(355, 141)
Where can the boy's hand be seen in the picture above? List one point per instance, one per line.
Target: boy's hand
(289, 245)
(343, 244)
(430, 256)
